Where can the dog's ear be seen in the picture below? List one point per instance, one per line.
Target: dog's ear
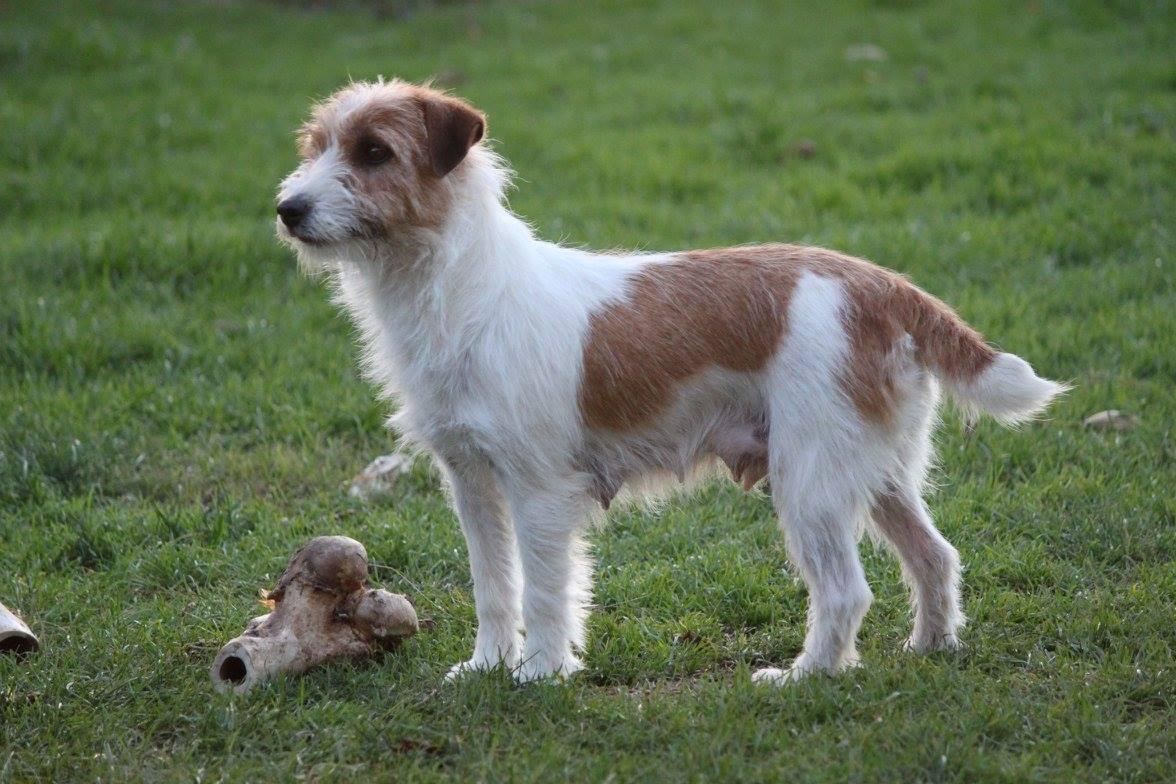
(453, 127)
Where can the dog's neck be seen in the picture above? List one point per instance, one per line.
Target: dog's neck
(480, 252)
(421, 298)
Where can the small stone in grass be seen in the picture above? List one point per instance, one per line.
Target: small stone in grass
(871, 53)
(1111, 420)
(380, 476)
(804, 148)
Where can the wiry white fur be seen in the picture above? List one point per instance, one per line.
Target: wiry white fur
(472, 334)
(477, 330)
(1008, 390)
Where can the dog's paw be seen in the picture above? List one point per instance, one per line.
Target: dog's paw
(929, 643)
(774, 676)
(538, 668)
(802, 668)
(500, 652)
(462, 669)
(476, 665)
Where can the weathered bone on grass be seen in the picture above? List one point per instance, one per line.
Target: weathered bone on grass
(323, 609)
(15, 636)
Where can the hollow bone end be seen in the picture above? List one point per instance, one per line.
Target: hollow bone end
(231, 671)
(19, 643)
(15, 635)
(247, 661)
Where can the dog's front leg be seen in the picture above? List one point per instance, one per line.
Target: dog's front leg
(557, 579)
(493, 565)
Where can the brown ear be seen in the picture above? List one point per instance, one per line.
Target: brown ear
(453, 127)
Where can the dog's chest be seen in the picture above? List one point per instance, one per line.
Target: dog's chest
(465, 399)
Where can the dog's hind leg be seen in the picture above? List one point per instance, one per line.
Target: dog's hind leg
(818, 516)
(930, 566)
(823, 464)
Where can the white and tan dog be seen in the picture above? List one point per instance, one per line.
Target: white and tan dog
(545, 379)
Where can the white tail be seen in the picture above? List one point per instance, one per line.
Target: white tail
(1008, 390)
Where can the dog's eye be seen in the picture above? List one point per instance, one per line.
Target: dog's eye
(374, 153)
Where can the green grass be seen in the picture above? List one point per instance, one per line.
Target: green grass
(179, 409)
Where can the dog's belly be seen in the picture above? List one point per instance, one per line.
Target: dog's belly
(720, 417)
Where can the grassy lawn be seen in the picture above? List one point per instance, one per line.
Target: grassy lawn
(179, 410)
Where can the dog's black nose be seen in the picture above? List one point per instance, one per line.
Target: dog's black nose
(293, 211)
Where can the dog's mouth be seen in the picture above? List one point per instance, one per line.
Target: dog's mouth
(312, 239)
(301, 236)
(309, 239)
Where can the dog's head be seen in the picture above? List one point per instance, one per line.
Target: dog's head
(378, 161)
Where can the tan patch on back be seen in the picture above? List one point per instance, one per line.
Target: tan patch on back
(728, 308)
(704, 309)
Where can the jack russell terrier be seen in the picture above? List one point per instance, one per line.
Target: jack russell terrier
(546, 380)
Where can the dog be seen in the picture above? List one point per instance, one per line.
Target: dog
(546, 380)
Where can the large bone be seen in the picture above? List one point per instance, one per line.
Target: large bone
(15, 636)
(323, 609)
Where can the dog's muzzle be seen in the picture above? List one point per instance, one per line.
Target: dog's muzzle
(293, 211)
